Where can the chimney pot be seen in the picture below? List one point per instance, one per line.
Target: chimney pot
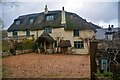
(63, 8)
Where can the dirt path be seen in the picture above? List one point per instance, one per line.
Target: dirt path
(43, 65)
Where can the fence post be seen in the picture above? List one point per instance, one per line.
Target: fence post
(92, 51)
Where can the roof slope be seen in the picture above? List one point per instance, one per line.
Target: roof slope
(72, 21)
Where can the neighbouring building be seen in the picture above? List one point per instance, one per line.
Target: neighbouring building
(52, 29)
(109, 33)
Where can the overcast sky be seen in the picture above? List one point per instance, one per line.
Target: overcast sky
(101, 13)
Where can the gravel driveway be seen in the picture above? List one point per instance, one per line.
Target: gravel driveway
(33, 65)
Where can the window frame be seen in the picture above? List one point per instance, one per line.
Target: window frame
(79, 44)
(76, 32)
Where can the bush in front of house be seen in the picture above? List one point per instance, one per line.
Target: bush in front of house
(35, 46)
(24, 45)
(27, 44)
(18, 45)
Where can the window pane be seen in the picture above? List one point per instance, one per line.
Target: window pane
(31, 20)
(14, 33)
(76, 32)
(50, 18)
(78, 44)
(27, 32)
(17, 22)
(48, 29)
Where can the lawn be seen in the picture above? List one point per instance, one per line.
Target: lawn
(33, 65)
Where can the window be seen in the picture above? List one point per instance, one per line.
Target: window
(27, 32)
(31, 20)
(17, 22)
(14, 33)
(78, 44)
(48, 29)
(49, 18)
(76, 32)
(104, 63)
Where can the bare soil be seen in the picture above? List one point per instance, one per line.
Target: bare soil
(33, 65)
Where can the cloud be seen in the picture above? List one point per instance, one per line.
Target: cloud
(96, 12)
(100, 11)
(111, 22)
(59, 0)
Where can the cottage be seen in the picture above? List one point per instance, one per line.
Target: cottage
(54, 29)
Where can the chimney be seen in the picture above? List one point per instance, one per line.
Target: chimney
(46, 10)
(112, 26)
(63, 21)
(109, 26)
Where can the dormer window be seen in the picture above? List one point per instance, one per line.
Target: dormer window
(49, 17)
(31, 20)
(17, 22)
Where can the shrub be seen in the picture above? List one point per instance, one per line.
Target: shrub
(24, 45)
(27, 44)
(104, 74)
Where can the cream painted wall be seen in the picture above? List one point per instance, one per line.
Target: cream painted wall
(68, 35)
(64, 35)
(87, 34)
(35, 33)
(21, 33)
(9, 34)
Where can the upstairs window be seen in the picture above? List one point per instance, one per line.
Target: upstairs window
(48, 29)
(14, 33)
(49, 18)
(31, 20)
(17, 22)
(78, 44)
(76, 32)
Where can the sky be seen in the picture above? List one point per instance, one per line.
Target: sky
(100, 12)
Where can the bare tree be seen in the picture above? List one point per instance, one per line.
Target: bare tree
(58, 37)
(111, 49)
